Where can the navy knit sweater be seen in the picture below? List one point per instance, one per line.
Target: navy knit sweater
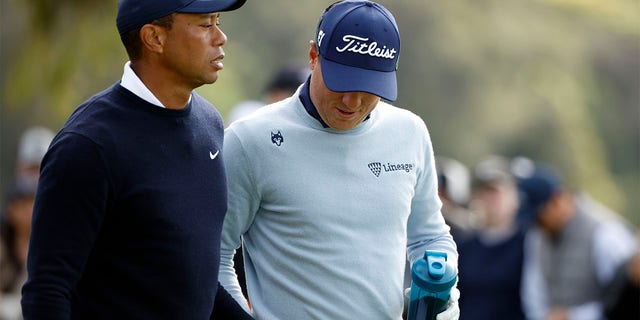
(128, 214)
(489, 278)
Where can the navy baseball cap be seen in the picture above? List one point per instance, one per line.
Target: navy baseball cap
(134, 14)
(539, 187)
(359, 46)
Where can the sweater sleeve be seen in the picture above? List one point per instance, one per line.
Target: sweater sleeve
(242, 206)
(69, 209)
(228, 308)
(426, 228)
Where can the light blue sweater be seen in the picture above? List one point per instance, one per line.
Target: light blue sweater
(326, 217)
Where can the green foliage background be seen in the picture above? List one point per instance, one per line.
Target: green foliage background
(553, 80)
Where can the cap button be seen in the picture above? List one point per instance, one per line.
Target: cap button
(369, 4)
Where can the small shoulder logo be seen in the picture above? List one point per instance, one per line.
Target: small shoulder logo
(213, 155)
(277, 138)
(375, 167)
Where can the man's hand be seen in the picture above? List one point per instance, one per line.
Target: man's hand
(453, 310)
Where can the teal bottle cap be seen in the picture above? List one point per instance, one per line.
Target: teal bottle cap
(433, 273)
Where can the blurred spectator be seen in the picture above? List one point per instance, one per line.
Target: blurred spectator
(15, 219)
(282, 85)
(572, 253)
(454, 188)
(32, 146)
(490, 266)
(523, 169)
(15, 229)
(624, 301)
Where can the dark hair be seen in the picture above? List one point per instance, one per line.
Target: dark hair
(132, 42)
(326, 10)
(320, 23)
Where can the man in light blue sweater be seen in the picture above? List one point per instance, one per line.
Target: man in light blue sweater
(331, 190)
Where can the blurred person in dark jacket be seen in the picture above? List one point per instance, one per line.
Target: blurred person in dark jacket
(491, 259)
(624, 301)
(573, 251)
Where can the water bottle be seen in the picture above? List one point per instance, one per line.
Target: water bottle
(431, 282)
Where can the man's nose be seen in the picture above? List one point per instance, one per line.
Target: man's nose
(352, 100)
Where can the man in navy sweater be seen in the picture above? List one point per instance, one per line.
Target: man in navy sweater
(132, 193)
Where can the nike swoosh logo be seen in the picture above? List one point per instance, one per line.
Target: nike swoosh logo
(213, 155)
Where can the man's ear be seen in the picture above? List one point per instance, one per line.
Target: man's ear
(313, 54)
(153, 37)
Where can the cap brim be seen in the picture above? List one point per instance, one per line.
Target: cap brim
(206, 6)
(341, 78)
